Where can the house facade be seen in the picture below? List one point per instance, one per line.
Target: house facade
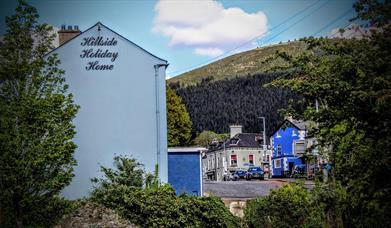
(120, 88)
(289, 143)
(241, 151)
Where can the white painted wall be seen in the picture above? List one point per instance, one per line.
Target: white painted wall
(118, 108)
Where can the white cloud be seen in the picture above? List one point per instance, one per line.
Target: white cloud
(212, 52)
(207, 24)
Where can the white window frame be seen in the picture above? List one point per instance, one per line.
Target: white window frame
(275, 163)
(279, 148)
(230, 160)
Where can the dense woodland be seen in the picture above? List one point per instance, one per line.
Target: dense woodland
(215, 105)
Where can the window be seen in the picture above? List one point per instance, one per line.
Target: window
(251, 159)
(279, 150)
(218, 162)
(234, 141)
(234, 160)
(278, 135)
(299, 147)
(294, 132)
(277, 163)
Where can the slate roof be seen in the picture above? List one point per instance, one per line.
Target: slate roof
(299, 124)
(248, 140)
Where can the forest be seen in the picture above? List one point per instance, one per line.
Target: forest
(214, 105)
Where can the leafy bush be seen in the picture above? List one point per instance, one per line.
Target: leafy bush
(295, 206)
(125, 189)
(205, 212)
(288, 206)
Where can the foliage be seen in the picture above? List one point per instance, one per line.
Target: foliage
(178, 120)
(295, 206)
(351, 80)
(214, 106)
(156, 206)
(284, 207)
(205, 212)
(205, 138)
(36, 130)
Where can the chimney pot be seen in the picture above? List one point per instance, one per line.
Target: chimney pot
(66, 34)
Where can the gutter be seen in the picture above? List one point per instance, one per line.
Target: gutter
(157, 66)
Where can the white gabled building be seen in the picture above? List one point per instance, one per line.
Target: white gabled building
(120, 88)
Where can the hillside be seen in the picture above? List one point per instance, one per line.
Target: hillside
(215, 105)
(241, 64)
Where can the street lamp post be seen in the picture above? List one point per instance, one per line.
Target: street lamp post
(264, 131)
(264, 139)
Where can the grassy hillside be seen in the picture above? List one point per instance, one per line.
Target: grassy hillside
(241, 64)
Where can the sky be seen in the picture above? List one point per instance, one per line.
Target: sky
(192, 33)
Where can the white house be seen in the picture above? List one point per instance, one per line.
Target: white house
(241, 151)
(120, 88)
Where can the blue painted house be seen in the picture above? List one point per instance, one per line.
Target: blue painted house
(288, 143)
(185, 170)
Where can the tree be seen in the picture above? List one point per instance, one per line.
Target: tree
(206, 138)
(125, 189)
(178, 120)
(36, 130)
(351, 81)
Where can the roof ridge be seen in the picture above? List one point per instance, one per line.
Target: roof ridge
(101, 24)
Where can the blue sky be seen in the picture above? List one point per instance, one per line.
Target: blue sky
(192, 33)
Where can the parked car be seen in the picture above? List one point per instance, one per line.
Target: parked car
(255, 173)
(228, 176)
(239, 174)
(299, 171)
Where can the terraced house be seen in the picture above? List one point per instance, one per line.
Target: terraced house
(240, 151)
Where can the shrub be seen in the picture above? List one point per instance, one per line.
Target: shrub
(125, 189)
(205, 212)
(289, 206)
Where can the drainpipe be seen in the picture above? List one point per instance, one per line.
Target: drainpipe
(215, 165)
(157, 66)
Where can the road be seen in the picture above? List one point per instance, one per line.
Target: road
(244, 189)
(240, 189)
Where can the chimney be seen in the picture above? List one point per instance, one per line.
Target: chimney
(234, 130)
(289, 117)
(65, 34)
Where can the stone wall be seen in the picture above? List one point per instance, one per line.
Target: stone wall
(236, 206)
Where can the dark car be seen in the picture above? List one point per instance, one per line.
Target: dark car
(239, 174)
(255, 173)
(299, 171)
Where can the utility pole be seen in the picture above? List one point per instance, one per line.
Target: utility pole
(264, 140)
(215, 165)
(264, 131)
